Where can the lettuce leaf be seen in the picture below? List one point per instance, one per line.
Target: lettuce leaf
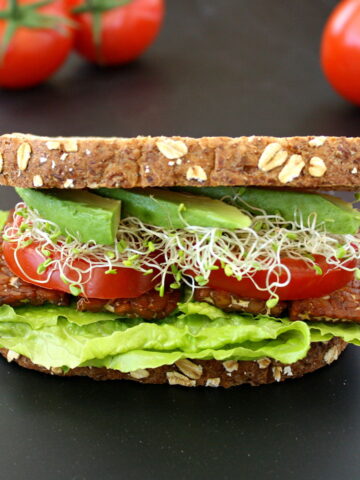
(62, 337)
(322, 331)
(48, 316)
(59, 336)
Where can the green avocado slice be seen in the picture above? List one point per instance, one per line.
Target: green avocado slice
(169, 209)
(81, 213)
(336, 215)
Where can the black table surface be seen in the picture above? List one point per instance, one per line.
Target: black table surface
(230, 67)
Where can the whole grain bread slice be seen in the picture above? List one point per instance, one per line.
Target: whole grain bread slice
(210, 373)
(328, 163)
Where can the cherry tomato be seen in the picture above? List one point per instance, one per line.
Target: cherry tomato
(125, 31)
(340, 50)
(126, 283)
(304, 283)
(70, 4)
(33, 54)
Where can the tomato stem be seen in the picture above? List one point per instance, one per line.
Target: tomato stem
(37, 5)
(13, 8)
(96, 8)
(90, 6)
(27, 15)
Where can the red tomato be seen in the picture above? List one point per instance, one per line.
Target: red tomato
(126, 31)
(70, 4)
(126, 283)
(304, 283)
(340, 50)
(34, 53)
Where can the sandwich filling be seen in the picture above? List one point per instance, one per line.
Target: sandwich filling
(136, 279)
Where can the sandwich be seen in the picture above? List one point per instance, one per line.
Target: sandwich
(196, 262)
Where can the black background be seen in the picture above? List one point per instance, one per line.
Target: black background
(229, 67)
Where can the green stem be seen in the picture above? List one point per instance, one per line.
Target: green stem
(25, 15)
(36, 5)
(93, 6)
(13, 7)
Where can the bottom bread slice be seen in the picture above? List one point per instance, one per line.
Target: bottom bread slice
(210, 373)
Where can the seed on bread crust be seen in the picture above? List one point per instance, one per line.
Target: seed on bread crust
(11, 355)
(70, 145)
(231, 365)
(172, 149)
(317, 141)
(278, 160)
(264, 362)
(140, 373)
(23, 155)
(332, 355)
(37, 181)
(292, 169)
(1, 163)
(69, 183)
(317, 167)
(53, 145)
(196, 173)
(212, 382)
(175, 378)
(190, 369)
(277, 373)
(56, 370)
(273, 156)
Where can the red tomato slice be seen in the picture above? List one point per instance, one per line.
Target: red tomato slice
(304, 282)
(126, 283)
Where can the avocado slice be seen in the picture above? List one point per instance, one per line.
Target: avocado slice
(169, 209)
(337, 216)
(81, 213)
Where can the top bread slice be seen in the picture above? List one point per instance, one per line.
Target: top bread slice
(326, 163)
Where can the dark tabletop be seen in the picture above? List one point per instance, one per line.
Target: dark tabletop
(229, 67)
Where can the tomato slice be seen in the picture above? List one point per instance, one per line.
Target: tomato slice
(304, 282)
(126, 283)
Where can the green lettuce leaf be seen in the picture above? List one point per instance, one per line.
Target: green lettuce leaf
(40, 317)
(59, 336)
(322, 331)
(62, 337)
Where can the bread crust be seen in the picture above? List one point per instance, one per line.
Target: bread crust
(328, 163)
(207, 372)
